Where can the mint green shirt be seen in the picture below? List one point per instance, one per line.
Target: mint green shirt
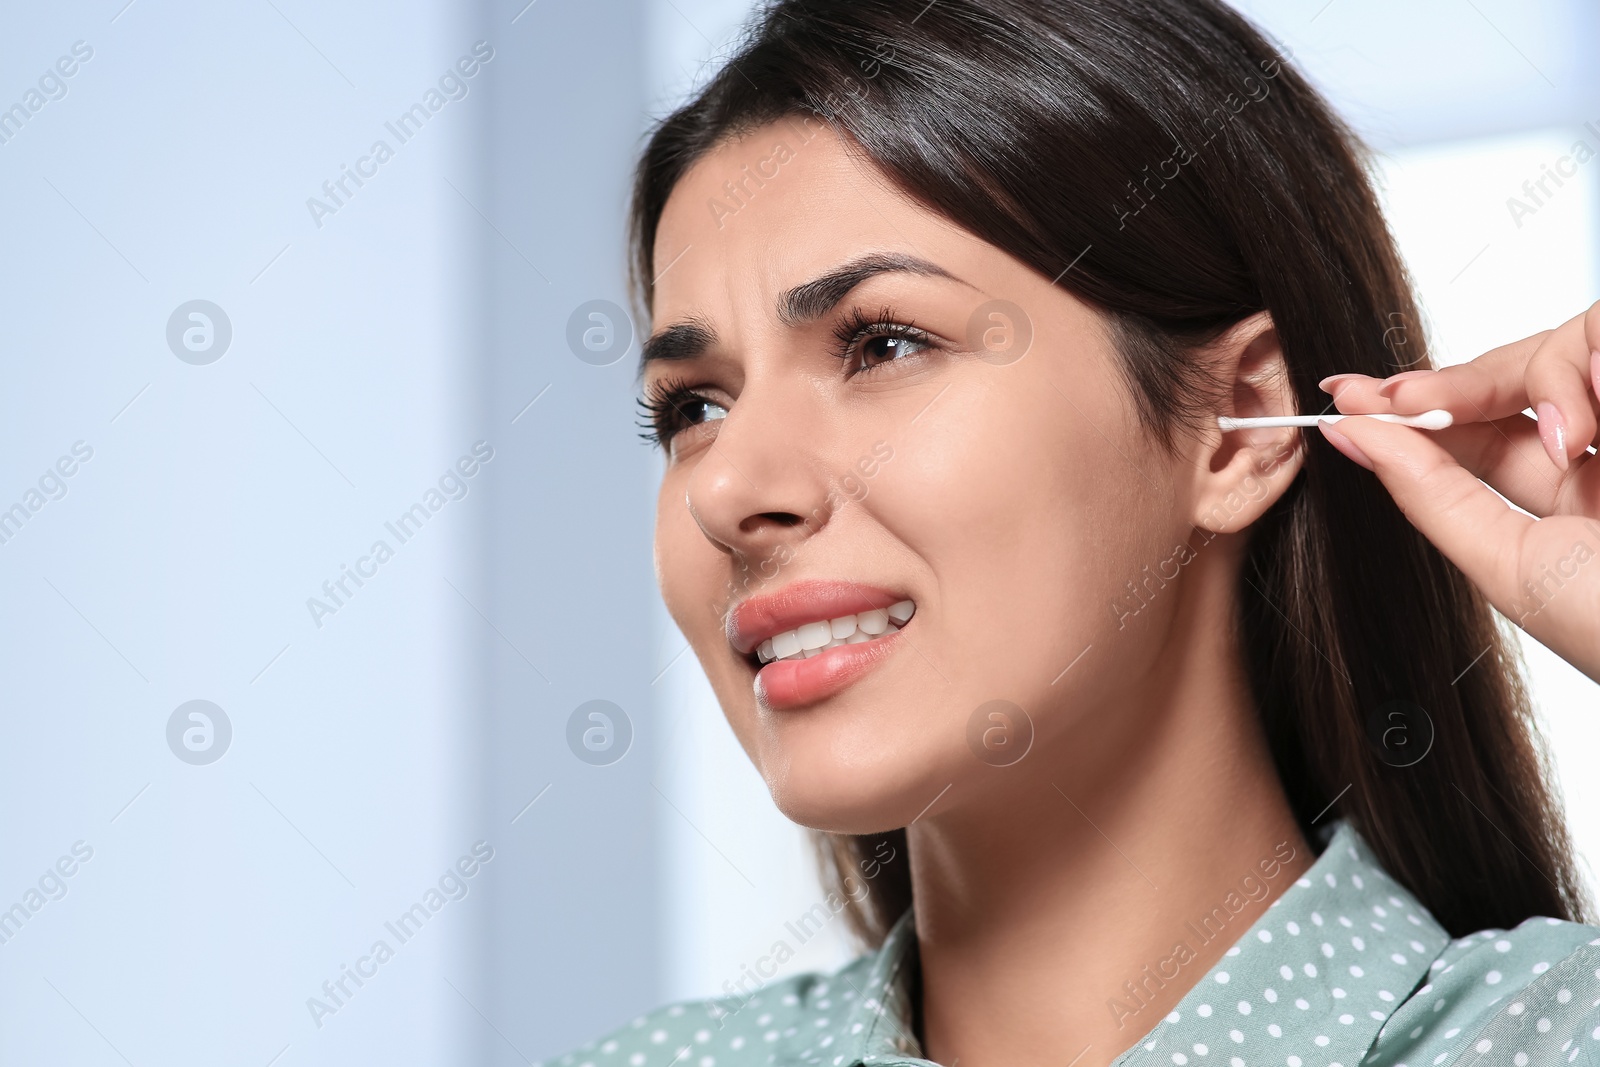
(1344, 968)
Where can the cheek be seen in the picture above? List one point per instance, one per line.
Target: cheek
(1016, 520)
(693, 576)
(1030, 519)
(687, 566)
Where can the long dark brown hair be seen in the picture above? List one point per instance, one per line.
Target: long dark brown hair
(1163, 161)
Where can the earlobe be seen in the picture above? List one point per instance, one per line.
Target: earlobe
(1240, 474)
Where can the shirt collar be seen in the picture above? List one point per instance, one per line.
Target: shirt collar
(1331, 958)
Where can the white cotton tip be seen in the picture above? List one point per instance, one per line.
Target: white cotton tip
(1437, 419)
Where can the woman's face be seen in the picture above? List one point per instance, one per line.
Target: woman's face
(862, 428)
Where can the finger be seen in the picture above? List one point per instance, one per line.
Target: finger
(1508, 455)
(1355, 394)
(1580, 493)
(1560, 387)
(1463, 518)
(1487, 388)
(1559, 368)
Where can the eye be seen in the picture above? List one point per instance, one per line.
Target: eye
(866, 344)
(697, 409)
(883, 348)
(670, 407)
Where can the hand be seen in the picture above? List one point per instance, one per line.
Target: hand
(1544, 572)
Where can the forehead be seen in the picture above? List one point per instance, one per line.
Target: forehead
(776, 206)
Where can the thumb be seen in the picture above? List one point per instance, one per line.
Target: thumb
(1463, 517)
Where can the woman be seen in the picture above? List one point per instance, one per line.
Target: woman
(1130, 740)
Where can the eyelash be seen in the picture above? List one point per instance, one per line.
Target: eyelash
(662, 407)
(663, 404)
(857, 327)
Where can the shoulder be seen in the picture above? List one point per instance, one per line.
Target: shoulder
(733, 1031)
(1530, 995)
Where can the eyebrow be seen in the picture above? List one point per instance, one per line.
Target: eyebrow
(804, 303)
(682, 340)
(814, 299)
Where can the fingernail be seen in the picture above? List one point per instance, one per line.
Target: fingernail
(1350, 449)
(1389, 384)
(1333, 381)
(1553, 432)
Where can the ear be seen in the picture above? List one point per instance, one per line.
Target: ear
(1240, 474)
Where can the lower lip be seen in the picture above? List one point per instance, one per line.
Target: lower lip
(794, 683)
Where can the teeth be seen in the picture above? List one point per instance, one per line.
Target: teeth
(785, 645)
(815, 635)
(814, 638)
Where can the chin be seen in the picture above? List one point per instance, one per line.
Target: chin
(821, 809)
(855, 781)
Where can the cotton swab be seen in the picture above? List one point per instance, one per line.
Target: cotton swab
(1437, 419)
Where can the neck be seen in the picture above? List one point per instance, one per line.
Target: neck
(1069, 909)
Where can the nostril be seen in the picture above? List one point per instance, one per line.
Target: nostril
(784, 519)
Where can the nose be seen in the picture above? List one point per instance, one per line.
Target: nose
(762, 487)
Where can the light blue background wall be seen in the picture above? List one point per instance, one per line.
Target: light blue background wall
(368, 353)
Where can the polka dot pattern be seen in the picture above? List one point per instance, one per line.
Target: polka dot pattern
(1345, 968)
(1528, 995)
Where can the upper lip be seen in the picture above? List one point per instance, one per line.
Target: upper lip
(756, 618)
